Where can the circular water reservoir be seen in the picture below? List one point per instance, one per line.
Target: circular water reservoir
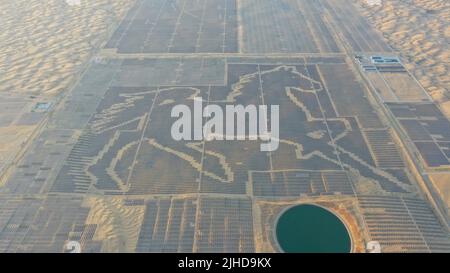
(311, 229)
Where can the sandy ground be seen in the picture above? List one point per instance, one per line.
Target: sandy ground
(43, 44)
(441, 182)
(420, 30)
(11, 141)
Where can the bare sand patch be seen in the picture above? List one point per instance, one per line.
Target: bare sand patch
(441, 182)
(43, 44)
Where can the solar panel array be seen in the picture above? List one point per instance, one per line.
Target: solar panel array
(428, 129)
(300, 183)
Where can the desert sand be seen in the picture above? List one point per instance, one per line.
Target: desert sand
(442, 185)
(43, 44)
(11, 141)
(420, 31)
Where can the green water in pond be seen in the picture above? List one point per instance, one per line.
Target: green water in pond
(312, 229)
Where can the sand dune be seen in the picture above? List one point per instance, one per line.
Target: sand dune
(420, 30)
(117, 225)
(43, 44)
